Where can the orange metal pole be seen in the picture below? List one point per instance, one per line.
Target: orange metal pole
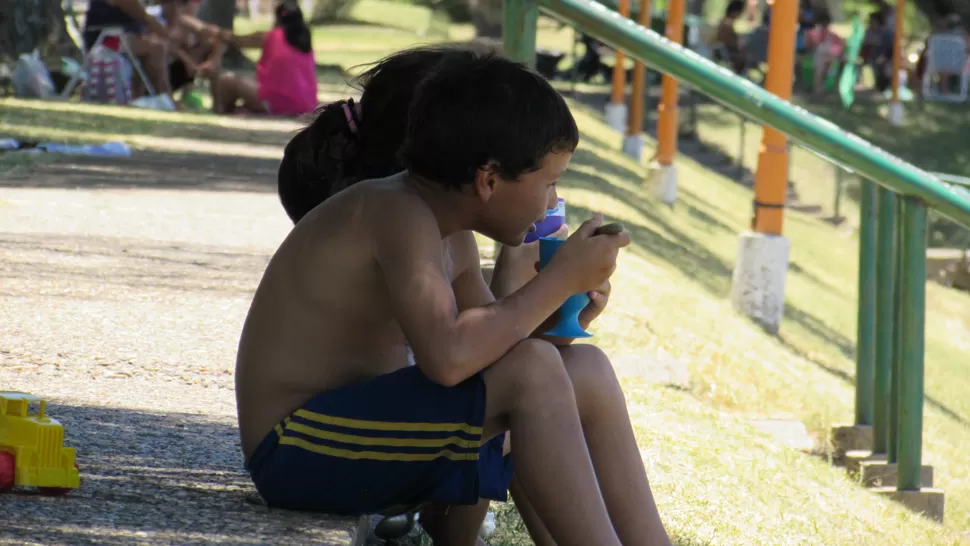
(635, 119)
(771, 178)
(667, 124)
(898, 47)
(619, 70)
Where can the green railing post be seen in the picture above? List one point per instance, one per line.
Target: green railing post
(519, 25)
(912, 309)
(898, 271)
(885, 271)
(839, 181)
(866, 333)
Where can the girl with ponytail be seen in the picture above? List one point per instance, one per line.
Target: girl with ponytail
(350, 141)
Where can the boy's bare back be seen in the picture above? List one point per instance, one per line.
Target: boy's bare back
(321, 317)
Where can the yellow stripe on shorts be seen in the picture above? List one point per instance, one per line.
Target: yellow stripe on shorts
(457, 441)
(387, 425)
(376, 455)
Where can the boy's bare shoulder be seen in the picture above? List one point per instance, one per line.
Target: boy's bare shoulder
(368, 205)
(390, 203)
(464, 251)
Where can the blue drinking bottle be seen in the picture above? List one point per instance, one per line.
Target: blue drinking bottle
(568, 323)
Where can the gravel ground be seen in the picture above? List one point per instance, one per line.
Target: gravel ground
(121, 303)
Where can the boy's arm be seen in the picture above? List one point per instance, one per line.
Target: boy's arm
(451, 345)
(471, 290)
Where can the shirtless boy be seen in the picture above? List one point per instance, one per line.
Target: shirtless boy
(331, 416)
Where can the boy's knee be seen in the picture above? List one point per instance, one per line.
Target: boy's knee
(538, 365)
(589, 369)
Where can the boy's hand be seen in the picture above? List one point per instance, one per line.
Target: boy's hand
(586, 261)
(598, 299)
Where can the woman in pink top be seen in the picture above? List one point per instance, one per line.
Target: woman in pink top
(286, 80)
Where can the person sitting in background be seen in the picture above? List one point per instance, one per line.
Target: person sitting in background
(591, 63)
(756, 44)
(286, 80)
(146, 36)
(194, 55)
(826, 46)
(877, 51)
(729, 48)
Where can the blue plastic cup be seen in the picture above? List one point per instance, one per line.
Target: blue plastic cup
(568, 323)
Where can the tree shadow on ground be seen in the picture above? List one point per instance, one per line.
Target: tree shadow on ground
(712, 155)
(31, 260)
(265, 131)
(849, 378)
(151, 170)
(158, 478)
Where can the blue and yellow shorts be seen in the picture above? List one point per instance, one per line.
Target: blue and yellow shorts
(397, 439)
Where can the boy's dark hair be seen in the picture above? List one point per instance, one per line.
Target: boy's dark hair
(734, 8)
(487, 110)
(329, 155)
(289, 17)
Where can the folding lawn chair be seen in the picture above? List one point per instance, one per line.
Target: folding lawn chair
(946, 57)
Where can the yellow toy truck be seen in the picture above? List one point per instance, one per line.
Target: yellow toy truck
(32, 451)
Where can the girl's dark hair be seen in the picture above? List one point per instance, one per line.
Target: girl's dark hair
(348, 141)
(289, 16)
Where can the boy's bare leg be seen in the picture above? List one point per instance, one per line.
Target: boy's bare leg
(455, 525)
(612, 447)
(618, 463)
(537, 530)
(529, 393)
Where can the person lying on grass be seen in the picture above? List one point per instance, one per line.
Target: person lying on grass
(332, 418)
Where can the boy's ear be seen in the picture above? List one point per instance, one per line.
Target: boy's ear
(485, 181)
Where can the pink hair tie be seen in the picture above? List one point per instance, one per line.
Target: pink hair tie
(351, 117)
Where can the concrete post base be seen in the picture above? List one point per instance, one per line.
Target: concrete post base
(633, 146)
(927, 501)
(758, 283)
(896, 113)
(854, 459)
(883, 474)
(616, 116)
(664, 181)
(847, 438)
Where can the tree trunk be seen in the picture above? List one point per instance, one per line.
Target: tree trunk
(29, 25)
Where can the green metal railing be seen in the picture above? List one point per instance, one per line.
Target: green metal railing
(893, 234)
